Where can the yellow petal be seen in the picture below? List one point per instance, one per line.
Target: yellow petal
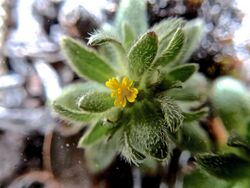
(132, 95)
(112, 83)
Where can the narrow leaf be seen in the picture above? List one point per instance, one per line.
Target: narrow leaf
(195, 116)
(172, 50)
(194, 88)
(101, 37)
(180, 73)
(85, 62)
(226, 166)
(193, 32)
(142, 55)
(96, 102)
(172, 113)
(94, 134)
(134, 13)
(167, 27)
(66, 104)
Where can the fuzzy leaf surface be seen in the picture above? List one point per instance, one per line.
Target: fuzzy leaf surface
(180, 73)
(131, 154)
(134, 13)
(193, 89)
(204, 180)
(100, 155)
(66, 104)
(172, 113)
(172, 50)
(147, 133)
(195, 116)
(226, 166)
(101, 37)
(96, 102)
(193, 138)
(142, 55)
(85, 61)
(193, 32)
(166, 27)
(94, 134)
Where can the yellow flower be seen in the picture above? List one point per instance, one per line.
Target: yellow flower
(122, 91)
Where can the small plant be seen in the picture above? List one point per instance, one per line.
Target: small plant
(139, 99)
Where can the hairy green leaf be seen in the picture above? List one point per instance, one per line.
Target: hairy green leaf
(204, 180)
(131, 154)
(166, 27)
(180, 73)
(95, 102)
(194, 88)
(85, 62)
(195, 116)
(134, 13)
(172, 113)
(66, 104)
(193, 138)
(94, 134)
(101, 37)
(172, 50)
(226, 166)
(142, 55)
(193, 32)
(147, 133)
(99, 156)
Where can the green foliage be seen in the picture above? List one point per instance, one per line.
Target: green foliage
(193, 32)
(172, 113)
(66, 104)
(194, 116)
(193, 138)
(172, 50)
(136, 19)
(147, 133)
(226, 166)
(238, 141)
(100, 155)
(194, 89)
(95, 102)
(149, 127)
(94, 134)
(85, 62)
(179, 73)
(142, 55)
(203, 180)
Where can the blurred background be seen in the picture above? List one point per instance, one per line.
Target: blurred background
(39, 150)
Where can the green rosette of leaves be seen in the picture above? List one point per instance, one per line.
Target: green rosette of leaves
(137, 92)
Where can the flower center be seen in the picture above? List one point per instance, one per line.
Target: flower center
(123, 91)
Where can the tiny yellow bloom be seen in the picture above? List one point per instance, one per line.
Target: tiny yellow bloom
(122, 91)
